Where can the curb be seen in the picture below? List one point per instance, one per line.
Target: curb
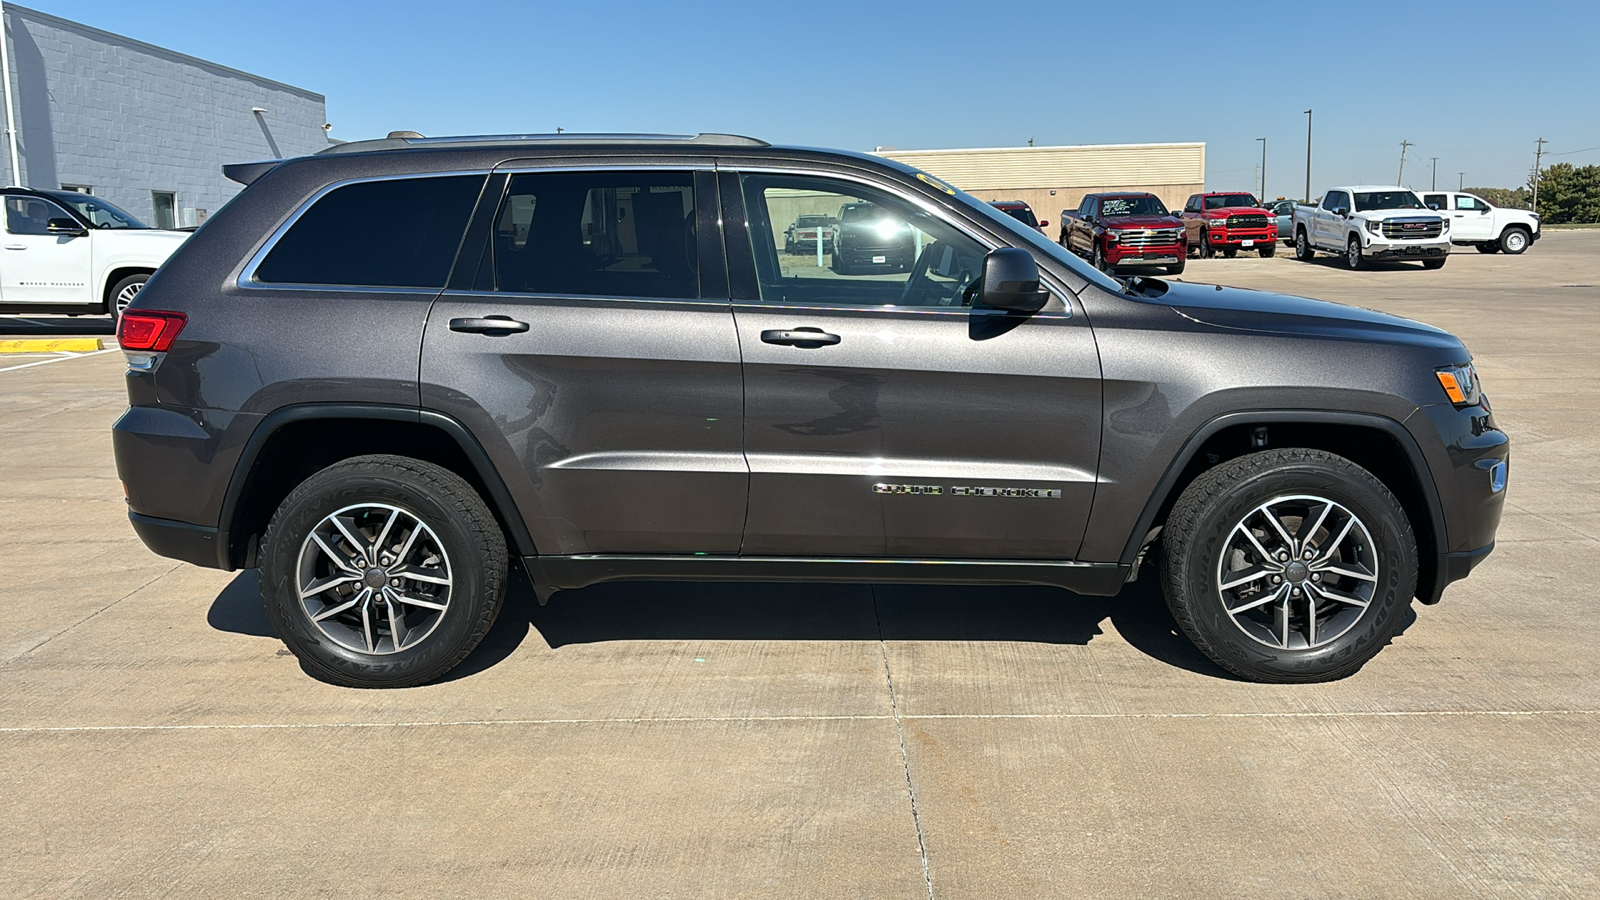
(52, 345)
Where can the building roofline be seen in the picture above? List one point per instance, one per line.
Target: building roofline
(1169, 144)
(163, 51)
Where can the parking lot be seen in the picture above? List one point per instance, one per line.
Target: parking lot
(721, 740)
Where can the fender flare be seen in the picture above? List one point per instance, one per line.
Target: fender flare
(1403, 437)
(499, 496)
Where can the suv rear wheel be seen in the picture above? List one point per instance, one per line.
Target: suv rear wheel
(1289, 565)
(382, 571)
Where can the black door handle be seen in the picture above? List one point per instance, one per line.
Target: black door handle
(488, 325)
(800, 336)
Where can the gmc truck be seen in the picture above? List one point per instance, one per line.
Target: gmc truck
(1368, 222)
(1117, 231)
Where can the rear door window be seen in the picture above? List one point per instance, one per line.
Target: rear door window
(598, 234)
(401, 232)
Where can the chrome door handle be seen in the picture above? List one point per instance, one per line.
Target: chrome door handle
(488, 325)
(804, 337)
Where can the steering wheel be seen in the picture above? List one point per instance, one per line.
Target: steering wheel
(919, 273)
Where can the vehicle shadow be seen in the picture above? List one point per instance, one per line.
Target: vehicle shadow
(738, 611)
(23, 325)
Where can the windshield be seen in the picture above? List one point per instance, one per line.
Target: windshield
(99, 213)
(1021, 214)
(1132, 206)
(1230, 201)
(1388, 200)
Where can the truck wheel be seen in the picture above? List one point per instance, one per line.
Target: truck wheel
(1099, 260)
(1352, 254)
(1230, 253)
(1176, 269)
(1433, 263)
(1268, 251)
(1488, 247)
(382, 571)
(1206, 250)
(1288, 566)
(122, 294)
(1514, 240)
(1302, 247)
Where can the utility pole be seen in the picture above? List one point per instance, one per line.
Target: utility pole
(1435, 185)
(1402, 179)
(1263, 195)
(1307, 197)
(1461, 179)
(1538, 156)
(11, 117)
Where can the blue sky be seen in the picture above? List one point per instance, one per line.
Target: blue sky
(1472, 83)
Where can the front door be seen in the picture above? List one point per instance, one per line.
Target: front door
(37, 266)
(594, 355)
(1471, 219)
(884, 417)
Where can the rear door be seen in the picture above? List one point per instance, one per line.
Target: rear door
(593, 352)
(883, 416)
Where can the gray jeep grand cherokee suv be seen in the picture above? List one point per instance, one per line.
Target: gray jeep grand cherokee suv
(383, 371)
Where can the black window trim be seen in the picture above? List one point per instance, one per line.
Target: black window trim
(247, 275)
(736, 230)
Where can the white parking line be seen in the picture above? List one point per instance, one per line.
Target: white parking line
(45, 362)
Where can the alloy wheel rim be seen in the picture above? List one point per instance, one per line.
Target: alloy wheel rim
(1515, 241)
(1297, 572)
(126, 295)
(1355, 254)
(374, 578)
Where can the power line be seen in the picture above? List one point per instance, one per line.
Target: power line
(1570, 152)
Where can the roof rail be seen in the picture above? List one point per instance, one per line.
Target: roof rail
(405, 140)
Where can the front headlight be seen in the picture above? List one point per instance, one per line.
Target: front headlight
(1446, 226)
(1460, 384)
(1374, 226)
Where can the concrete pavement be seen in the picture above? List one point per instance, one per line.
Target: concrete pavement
(713, 740)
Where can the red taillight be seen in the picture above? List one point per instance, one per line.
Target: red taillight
(148, 329)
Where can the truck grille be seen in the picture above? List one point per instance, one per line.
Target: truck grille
(1152, 237)
(1247, 222)
(1412, 229)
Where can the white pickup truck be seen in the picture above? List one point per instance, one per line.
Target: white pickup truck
(1366, 222)
(65, 252)
(1476, 221)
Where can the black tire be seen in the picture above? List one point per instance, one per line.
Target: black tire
(1488, 247)
(1230, 253)
(473, 555)
(122, 293)
(1099, 258)
(1206, 250)
(1515, 240)
(1176, 269)
(1354, 260)
(1209, 514)
(1267, 251)
(1303, 250)
(1434, 263)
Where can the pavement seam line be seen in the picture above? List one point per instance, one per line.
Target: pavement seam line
(92, 615)
(905, 759)
(690, 720)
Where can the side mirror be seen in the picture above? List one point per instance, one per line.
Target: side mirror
(1341, 210)
(65, 226)
(1011, 281)
(1044, 223)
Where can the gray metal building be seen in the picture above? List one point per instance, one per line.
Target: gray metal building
(143, 127)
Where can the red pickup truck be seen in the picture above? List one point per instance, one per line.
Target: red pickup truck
(1122, 230)
(1229, 221)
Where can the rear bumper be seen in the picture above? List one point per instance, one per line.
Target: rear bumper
(194, 544)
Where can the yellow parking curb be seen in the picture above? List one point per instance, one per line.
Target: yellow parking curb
(49, 345)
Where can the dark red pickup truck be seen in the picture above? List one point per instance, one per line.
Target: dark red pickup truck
(1123, 230)
(1229, 221)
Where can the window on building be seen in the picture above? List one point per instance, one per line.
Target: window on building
(401, 232)
(165, 204)
(78, 188)
(598, 234)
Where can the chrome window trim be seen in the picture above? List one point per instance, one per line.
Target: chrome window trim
(1057, 289)
(247, 275)
(584, 298)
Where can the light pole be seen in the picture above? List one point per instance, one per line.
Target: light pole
(1263, 169)
(1461, 179)
(1308, 156)
(1435, 185)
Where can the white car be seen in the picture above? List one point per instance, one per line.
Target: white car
(1372, 222)
(66, 252)
(1476, 221)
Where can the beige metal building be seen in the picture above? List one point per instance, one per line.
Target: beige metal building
(1050, 179)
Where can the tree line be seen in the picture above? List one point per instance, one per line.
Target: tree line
(1568, 194)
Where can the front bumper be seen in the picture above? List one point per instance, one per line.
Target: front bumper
(1234, 239)
(1159, 255)
(1434, 249)
(1470, 466)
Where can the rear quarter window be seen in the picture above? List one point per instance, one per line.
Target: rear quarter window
(401, 232)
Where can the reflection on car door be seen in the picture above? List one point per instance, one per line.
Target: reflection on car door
(610, 397)
(37, 266)
(883, 417)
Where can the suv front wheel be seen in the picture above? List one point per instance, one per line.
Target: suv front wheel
(1290, 565)
(382, 571)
